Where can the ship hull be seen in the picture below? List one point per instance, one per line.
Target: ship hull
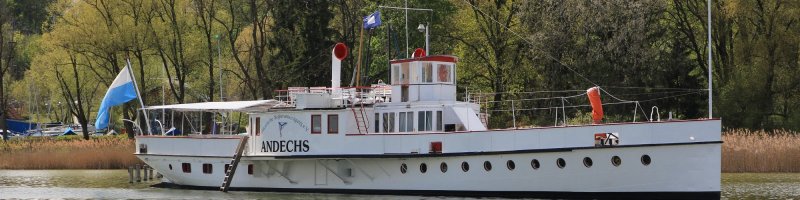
(676, 170)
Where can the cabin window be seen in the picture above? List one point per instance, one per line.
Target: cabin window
(258, 126)
(225, 170)
(444, 75)
(406, 121)
(427, 73)
(646, 160)
(377, 123)
(425, 121)
(207, 168)
(316, 124)
(439, 124)
(250, 169)
(403, 122)
(187, 167)
(388, 122)
(333, 124)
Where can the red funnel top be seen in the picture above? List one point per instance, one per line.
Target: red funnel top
(340, 51)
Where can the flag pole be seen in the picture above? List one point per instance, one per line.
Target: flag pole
(138, 95)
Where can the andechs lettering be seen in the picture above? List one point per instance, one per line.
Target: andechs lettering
(285, 146)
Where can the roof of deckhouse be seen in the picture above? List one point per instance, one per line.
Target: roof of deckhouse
(227, 106)
(437, 58)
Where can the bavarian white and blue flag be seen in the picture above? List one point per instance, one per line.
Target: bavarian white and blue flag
(120, 91)
(373, 20)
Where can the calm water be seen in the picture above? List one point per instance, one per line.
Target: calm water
(113, 184)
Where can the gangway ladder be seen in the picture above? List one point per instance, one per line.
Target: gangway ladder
(226, 183)
(360, 115)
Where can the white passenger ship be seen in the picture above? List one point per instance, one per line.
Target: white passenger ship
(413, 137)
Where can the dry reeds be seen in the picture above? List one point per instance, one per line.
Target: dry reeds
(760, 151)
(72, 152)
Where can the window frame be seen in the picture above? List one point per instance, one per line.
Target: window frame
(333, 131)
(208, 168)
(319, 124)
(186, 167)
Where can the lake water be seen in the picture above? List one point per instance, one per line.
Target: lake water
(113, 184)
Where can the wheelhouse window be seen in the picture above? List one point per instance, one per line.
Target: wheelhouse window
(427, 73)
(186, 167)
(207, 168)
(444, 75)
(333, 124)
(425, 121)
(316, 124)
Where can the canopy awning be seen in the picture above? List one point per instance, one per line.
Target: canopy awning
(227, 106)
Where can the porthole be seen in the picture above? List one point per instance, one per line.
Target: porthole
(403, 168)
(616, 161)
(487, 166)
(510, 164)
(423, 168)
(170, 166)
(443, 167)
(587, 162)
(464, 166)
(535, 164)
(646, 160)
(561, 163)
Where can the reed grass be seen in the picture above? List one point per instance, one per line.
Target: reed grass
(760, 151)
(742, 151)
(68, 152)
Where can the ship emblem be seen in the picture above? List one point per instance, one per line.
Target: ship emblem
(280, 128)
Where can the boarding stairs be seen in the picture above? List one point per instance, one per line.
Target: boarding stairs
(231, 170)
(360, 115)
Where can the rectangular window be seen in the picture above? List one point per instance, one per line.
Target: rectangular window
(250, 169)
(444, 74)
(428, 120)
(404, 73)
(258, 126)
(207, 168)
(377, 122)
(252, 130)
(427, 73)
(333, 124)
(395, 74)
(425, 122)
(439, 121)
(187, 168)
(392, 123)
(386, 123)
(403, 122)
(316, 124)
(410, 120)
(225, 170)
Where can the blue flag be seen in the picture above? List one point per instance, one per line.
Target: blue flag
(120, 91)
(373, 20)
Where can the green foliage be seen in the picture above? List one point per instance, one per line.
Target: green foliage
(633, 50)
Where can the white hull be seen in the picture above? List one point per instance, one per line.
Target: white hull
(685, 160)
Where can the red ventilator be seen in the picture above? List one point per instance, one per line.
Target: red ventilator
(597, 105)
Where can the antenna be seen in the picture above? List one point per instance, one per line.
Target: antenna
(710, 88)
